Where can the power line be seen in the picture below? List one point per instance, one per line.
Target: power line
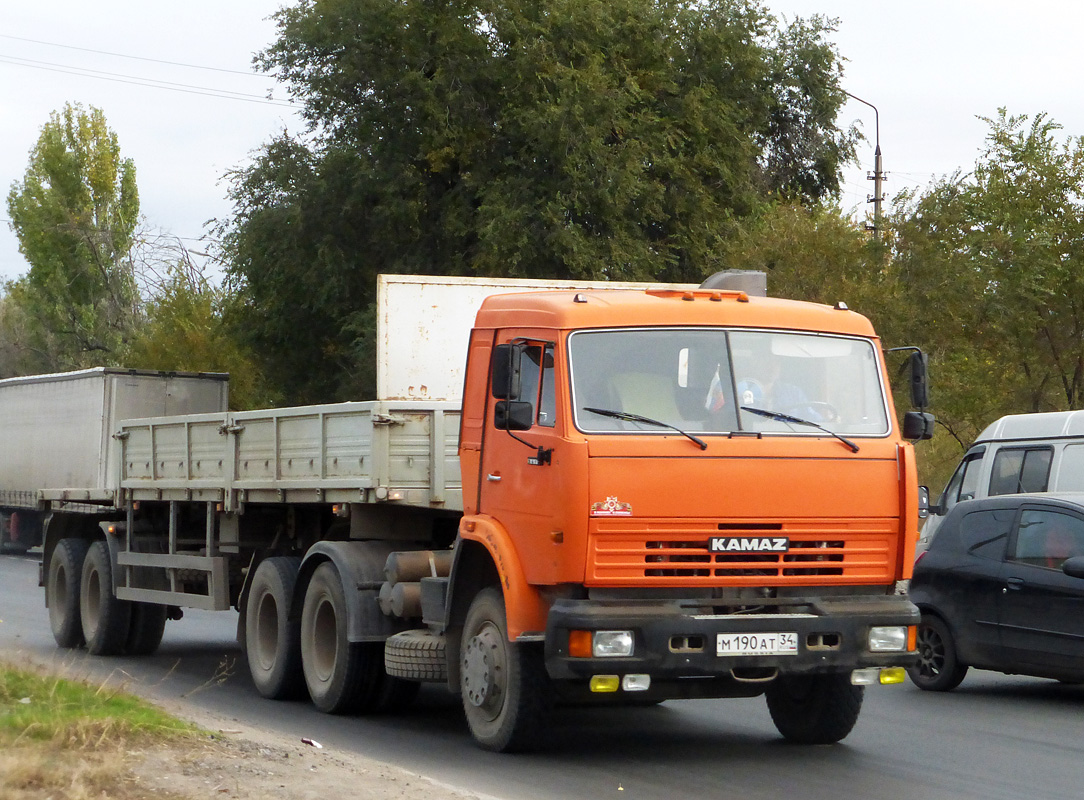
(150, 83)
(137, 58)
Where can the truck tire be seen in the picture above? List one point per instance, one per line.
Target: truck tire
(146, 630)
(272, 639)
(504, 685)
(62, 591)
(106, 620)
(939, 668)
(342, 677)
(416, 655)
(814, 709)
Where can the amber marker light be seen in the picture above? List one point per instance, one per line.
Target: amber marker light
(912, 637)
(579, 644)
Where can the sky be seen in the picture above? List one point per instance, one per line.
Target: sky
(930, 68)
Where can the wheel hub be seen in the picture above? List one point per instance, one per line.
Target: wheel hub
(483, 669)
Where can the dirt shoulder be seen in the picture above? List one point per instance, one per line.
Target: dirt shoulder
(251, 764)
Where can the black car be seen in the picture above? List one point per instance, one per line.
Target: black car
(1002, 588)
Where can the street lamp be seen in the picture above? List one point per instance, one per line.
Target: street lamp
(878, 173)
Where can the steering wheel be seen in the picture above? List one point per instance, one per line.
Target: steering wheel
(826, 411)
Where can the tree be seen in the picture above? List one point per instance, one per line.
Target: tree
(185, 329)
(75, 214)
(564, 138)
(993, 269)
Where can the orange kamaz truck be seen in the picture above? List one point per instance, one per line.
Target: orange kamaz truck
(589, 495)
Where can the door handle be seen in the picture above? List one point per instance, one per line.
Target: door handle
(494, 477)
(1013, 583)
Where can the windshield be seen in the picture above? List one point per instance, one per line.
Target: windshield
(698, 379)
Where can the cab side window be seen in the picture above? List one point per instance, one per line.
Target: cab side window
(964, 482)
(1046, 538)
(1020, 469)
(524, 377)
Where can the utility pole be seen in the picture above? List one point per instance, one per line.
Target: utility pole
(878, 176)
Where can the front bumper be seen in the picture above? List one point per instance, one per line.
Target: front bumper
(676, 639)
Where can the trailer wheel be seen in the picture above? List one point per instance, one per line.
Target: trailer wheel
(62, 591)
(342, 676)
(148, 626)
(504, 685)
(272, 639)
(106, 620)
(814, 709)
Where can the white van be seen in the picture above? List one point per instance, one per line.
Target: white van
(1018, 453)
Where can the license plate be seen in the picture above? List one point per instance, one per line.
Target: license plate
(757, 644)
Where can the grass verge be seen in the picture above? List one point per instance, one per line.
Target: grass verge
(72, 740)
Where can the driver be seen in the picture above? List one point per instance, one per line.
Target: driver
(776, 393)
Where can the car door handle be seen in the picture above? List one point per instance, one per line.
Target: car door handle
(495, 478)
(1013, 583)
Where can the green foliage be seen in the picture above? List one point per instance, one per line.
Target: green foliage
(75, 214)
(996, 263)
(594, 139)
(43, 707)
(185, 330)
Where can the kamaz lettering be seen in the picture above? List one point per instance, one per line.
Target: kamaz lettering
(746, 544)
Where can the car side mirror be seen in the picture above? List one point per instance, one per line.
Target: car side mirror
(923, 502)
(512, 415)
(1073, 567)
(918, 425)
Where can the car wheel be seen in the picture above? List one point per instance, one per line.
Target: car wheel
(939, 668)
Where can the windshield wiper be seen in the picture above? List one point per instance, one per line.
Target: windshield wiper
(778, 417)
(627, 417)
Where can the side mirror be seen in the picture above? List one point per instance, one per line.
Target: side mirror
(512, 415)
(1073, 567)
(504, 371)
(923, 502)
(918, 425)
(920, 392)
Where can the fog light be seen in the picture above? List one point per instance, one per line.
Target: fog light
(636, 683)
(893, 675)
(866, 677)
(612, 644)
(888, 639)
(605, 683)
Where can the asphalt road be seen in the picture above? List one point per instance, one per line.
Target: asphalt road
(995, 737)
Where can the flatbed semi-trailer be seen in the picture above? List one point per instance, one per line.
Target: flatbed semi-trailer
(623, 505)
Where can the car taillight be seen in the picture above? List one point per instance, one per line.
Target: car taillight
(921, 556)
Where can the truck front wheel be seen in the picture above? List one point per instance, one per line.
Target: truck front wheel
(504, 684)
(106, 620)
(272, 639)
(62, 591)
(814, 709)
(342, 676)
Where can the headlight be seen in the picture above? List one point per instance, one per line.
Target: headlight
(888, 639)
(612, 644)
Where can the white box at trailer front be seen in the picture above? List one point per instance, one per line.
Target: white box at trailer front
(424, 322)
(57, 430)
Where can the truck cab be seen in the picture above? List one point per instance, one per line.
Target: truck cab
(688, 493)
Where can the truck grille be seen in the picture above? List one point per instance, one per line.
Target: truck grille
(629, 552)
